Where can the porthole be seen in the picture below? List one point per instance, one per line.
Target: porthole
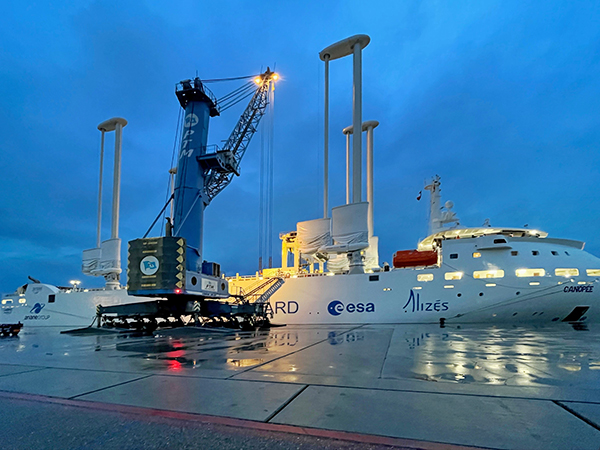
(194, 281)
(453, 255)
(535, 252)
(514, 253)
(514, 314)
(222, 286)
(555, 319)
(481, 294)
(459, 294)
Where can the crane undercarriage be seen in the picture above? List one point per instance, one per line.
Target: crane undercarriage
(244, 311)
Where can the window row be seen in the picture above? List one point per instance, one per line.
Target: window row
(499, 273)
(512, 253)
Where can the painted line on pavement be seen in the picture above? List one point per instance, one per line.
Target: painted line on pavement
(241, 423)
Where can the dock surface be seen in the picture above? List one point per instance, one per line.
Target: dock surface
(408, 386)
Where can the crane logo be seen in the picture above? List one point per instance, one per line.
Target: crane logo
(191, 120)
(149, 265)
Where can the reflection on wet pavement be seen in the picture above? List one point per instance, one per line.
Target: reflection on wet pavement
(556, 355)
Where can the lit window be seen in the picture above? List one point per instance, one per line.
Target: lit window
(566, 272)
(453, 275)
(498, 273)
(534, 283)
(530, 272)
(448, 286)
(418, 287)
(5, 301)
(476, 255)
(593, 272)
(490, 284)
(22, 300)
(453, 255)
(514, 253)
(425, 277)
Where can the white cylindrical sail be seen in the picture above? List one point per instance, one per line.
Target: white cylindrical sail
(372, 254)
(350, 230)
(338, 263)
(313, 234)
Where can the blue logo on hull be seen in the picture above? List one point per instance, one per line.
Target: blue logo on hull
(335, 308)
(37, 308)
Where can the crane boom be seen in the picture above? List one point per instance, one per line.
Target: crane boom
(237, 143)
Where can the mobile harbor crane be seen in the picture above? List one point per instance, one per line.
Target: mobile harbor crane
(171, 267)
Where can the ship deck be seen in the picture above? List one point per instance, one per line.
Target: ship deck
(411, 386)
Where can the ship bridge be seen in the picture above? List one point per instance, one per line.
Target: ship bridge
(465, 233)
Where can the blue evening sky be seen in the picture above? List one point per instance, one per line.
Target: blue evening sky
(500, 98)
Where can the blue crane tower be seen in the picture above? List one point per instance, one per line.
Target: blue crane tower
(172, 266)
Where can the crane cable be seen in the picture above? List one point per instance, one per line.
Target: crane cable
(234, 92)
(266, 200)
(216, 80)
(271, 158)
(234, 101)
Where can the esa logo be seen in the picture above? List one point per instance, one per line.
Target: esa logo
(335, 308)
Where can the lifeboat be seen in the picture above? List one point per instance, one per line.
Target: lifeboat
(414, 258)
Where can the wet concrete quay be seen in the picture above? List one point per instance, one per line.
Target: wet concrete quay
(417, 386)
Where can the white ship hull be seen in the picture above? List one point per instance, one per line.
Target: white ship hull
(397, 296)
(43, 305)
